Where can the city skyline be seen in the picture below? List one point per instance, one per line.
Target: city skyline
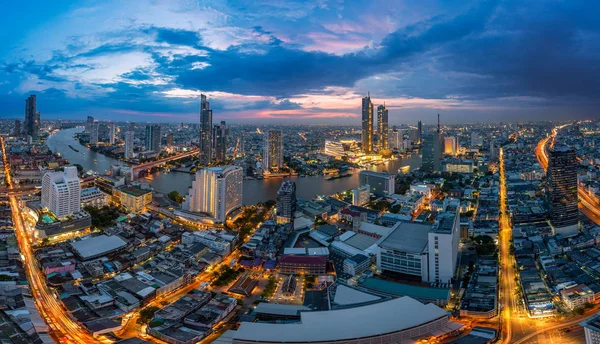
(151, 63)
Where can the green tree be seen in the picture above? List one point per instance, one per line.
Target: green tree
(175, 196)
(147, 314)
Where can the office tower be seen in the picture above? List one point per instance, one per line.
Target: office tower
(112, 133)
(217, 191)
(450, 146)
(88, 124)
(286, 202)
(153, 138)
(129, 136)
(31, 125)
(169, 139)
(493, 150)
(382, 127)
(61, 192)
(242, 148)
(361, 195)
(367, 125)
(419, 132)
(431, 150)
(562, 190)
(94, 132)
(395, 139)
(273, 150)
(220, 133)
(380, 183)
(205, 131)
(17, 128)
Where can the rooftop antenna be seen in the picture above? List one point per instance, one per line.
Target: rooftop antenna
(438, 122)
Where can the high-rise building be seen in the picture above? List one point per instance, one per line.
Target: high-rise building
(220, 133)
(217, 191)
(395, 139)
(591, 328)
(94, 133)
(17, 128)
(61, 192)
(286, 202)
(431, 150)
(367, 125)
(153, 138)
(450, 146)
(88, 124)
(382, 127)
(129, 137)
(169, 139)
(31, 125)
(206, 143)
(273, 150)
(419, 132)
(562, 190)
(381, 184)
(112, 133)
(361, 195)
(476, 139)
(242, 147)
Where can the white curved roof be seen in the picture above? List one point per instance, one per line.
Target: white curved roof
(371, 320)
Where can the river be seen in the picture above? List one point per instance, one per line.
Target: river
(254, 191)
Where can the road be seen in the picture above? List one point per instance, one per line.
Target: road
(61, 325)
(507, 295)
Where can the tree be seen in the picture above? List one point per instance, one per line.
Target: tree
(175, 196)
(79, 168)
(147, 314)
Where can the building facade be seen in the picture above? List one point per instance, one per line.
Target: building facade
(220, 133)
(134, 199)
(562, 190)
(367, 125)
(31, 124)
(361, 195)
(382, 128)
(286, 202)
(61, 192)
(273, 150)
(205, 131)
(153, 138)
(217, 191)
(381, 184)
(129, 137)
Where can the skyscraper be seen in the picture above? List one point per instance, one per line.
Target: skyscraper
(153, 138)
(419, 132)
(31, 125)
(450, 146)
(61, 192)
(217, 191)
(129, 136)
(286, 202)
(205, 131)
(17, 128)
(220, 133)
(112, 133)
(431, 150)
(562, 190)
(169, 139)
(88, 124)
(273, 150)
(382, 127)
(395, 139)
(367, 125)
(94, 133)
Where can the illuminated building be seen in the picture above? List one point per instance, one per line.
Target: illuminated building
(380, 183)
(88, 124)
(112, 133)
(205, 131)
(217, 191)
(367, 125)
(61, 192)
(432, 151)
(562, 190)
(395, 139)
(591, 327)
(273, 150)
(450, 146)
(94, 133)
(457, 166)
(153, 138)
(334, 149)
(286, 202)
(31, 124)
(129, 136)
(419, 132)
(361, 195)
(134, 198)
(382, 127)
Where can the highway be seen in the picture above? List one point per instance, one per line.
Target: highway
(62, 326)
(507, 297)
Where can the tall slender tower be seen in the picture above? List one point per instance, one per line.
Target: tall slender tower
(367, 124)
(273, 150)
(112, 132)
(31, 125)
(129, 137)
(205, 131)
(382, 127)
(153, 138)
(562, 190)
(419, 132)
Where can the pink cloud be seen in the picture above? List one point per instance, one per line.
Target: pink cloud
(334, 44)
(152, 114)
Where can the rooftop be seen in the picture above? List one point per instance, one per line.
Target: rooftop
(408, 237)
(95, 246)
(134, 190)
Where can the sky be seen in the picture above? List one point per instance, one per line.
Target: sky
(301, 62)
